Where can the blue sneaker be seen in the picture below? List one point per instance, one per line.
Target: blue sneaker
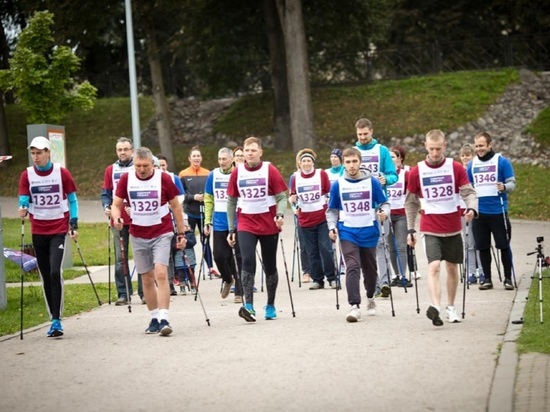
(270, 312)
(247, 312)
(154, 327)
(481, 278)
(472, 280)
(164, 328)
(56, 330)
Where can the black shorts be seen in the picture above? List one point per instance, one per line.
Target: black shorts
(447, 248)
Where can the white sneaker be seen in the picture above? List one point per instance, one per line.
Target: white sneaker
(354, 314)
(417, 276)
(371, 307)
(452, 316)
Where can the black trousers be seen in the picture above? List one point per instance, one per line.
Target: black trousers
(50, 251)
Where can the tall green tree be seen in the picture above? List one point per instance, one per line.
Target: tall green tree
(40, 74)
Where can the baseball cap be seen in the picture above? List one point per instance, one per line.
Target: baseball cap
(40, 143)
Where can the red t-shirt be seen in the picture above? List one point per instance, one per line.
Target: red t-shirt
(168, 192)
(439, 223)
(259, 223)
(55, 226)
(311, 219)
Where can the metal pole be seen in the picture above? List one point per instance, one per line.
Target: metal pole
(132, 73)
(3, 295)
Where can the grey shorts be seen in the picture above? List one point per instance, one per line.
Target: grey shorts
(449, 248)
(148, 252)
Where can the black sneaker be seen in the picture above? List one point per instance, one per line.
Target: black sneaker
(247, 313)
(433, 314)
(486, 284)
(395, 281)
(508, 285)
(385, 291)
(404, 282)
(164, 328)
(154, 327)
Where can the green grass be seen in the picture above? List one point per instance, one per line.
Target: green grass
(92, 239)
(534, 335)
(540, 128)
(78, 299)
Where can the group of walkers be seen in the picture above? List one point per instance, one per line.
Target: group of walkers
(358, 216)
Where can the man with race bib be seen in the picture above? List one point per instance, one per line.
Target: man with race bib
(435, 184)
(356, 201)
(376, 158)
(215, 220)
(493, 178)
(150, 192)
(261, 192)
(47, 194)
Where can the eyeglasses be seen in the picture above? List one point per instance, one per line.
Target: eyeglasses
(239, 155)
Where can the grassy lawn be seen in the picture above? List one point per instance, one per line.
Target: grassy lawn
(78, 298)
(534, 335)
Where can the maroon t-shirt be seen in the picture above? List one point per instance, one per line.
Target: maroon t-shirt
(168, 192)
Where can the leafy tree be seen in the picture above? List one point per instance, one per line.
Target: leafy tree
(40, 74)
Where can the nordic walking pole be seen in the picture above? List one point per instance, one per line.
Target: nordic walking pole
(387, 263)
(294, 250)
(398, 258)
(411, 260)
(337, 272)
(466, 268)
(508, 240)
(86, 268)
(288, 280)
(197, 290)
(22, 274)
(109, 258)
(199, 276)
(126, 274)
(263, 270)
(497, 262)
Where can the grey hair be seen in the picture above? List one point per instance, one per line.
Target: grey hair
(226, 151)
(144, 153)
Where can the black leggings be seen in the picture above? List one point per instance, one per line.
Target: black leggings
(223, 256)
(50, 250)
(247, 245)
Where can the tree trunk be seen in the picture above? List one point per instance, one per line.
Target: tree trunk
(4, 142)
(162, 115)
(282, 138)
(301, 110)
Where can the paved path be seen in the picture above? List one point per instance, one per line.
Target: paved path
(315, 361)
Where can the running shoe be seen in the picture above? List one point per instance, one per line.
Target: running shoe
(385, 291)
(486, 284)
(248, 313)
(371, 307)
(164, 328)
(396, 281)
(433, 314)
(452, 316)
(472, 280)
(354, 314)
(316, 285)
(214, 273)
(333, 284)
(404, 282)
(481, 278)
(176, 281)
(56, 330)
(226, 288)
(508, 285)
(154, 327)
(238, 299)
(270, 312)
